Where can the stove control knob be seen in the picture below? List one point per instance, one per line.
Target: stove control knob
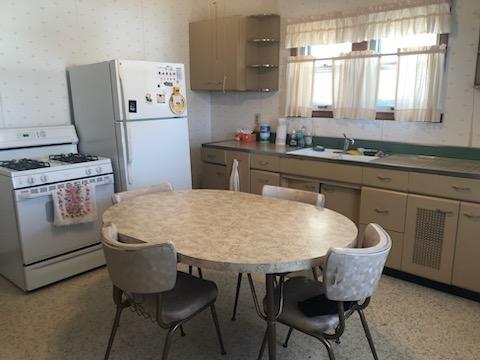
(88, 171)
(99, 170)
(31, 180)
(44, 178)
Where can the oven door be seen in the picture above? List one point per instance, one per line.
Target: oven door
(40, 239)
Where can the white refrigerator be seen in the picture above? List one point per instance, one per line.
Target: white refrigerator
(135, 113)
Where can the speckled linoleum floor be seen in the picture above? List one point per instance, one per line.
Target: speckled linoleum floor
(72, 319)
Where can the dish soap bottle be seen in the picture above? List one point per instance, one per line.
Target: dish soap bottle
(293, 139)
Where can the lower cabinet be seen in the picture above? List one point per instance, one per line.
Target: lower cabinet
(300, 184)
(214, 176)
(466, 265)
(243, 159)
(259, 178)
(344, 200)
(430, 234)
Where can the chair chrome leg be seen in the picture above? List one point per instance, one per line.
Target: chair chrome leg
(367, 333)
(116, 323)
(237, 295)
(168, 341)
(271, 316)
(315, 273)
(200, 274)
(325, 342)
(217, 328)
(285, 344)
(262, 348)
(181, 331)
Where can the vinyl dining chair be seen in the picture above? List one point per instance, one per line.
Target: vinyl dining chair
(278, 192)
(350, 277)
(130, 194)
(145, 279)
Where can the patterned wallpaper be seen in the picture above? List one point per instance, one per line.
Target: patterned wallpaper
(39, 39)
(462, 103)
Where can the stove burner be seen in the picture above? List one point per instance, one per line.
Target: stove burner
(73, 158)
(24, 164)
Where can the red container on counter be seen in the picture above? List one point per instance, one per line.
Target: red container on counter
(249, 138)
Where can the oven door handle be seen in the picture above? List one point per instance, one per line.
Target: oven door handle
(26, 194)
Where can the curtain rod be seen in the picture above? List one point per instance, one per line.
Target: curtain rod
(314, 59)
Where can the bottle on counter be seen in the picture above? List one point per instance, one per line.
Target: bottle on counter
(293, 139)
(281, 132)
(308, 139)
(301, 138)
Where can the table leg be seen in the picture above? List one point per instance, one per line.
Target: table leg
(271, 312)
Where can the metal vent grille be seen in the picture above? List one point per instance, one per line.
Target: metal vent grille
(429, 233)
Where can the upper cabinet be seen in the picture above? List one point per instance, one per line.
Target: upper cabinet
(235, 53)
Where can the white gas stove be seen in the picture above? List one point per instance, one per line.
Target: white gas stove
(34, 162)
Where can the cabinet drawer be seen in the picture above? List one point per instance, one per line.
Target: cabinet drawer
(387, 179)
(322, 170)
(466, 265)
(394, 260)
(265, 162)
(445, 186)
(301, 184)
(214, 176)
(384, 207)
(260, 178)
(215, 156)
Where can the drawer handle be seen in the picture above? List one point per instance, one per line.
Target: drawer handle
(471, 216)
(384, 178)
(263, 163)
(444, 212)
(460, 188)
(381, 211)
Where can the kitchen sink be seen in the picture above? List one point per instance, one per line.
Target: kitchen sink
(332, 154)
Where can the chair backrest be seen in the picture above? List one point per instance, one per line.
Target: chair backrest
(352, 274)
(139, 268)
(306, 197)
(122, 196)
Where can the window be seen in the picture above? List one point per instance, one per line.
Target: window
(387, 48)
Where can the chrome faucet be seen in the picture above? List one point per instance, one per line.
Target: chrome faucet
(347, 142)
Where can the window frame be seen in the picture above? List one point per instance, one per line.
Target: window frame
(361, 46)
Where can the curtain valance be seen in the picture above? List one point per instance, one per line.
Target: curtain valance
(393, 20)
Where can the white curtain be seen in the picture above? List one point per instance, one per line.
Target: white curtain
(299, 83)
(402, 18)
(355, 85)
(419, 84)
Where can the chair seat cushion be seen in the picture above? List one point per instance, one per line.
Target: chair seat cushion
(319, 305)
(298, 289)
(188, 297)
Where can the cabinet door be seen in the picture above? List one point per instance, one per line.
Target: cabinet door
(466, 266)
(202, 51)
(243, 168)
(214, 177)
(230, 53)
(343, 200)
(430, 232)
(260, 178)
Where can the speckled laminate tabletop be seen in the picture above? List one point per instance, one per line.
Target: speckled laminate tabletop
(234, 231)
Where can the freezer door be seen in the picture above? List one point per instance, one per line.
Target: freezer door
(156, 151)
(151, 90)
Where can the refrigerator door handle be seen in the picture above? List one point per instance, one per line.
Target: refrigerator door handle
(128, 149)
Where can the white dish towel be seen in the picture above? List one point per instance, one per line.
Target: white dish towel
(234, 177)
(74, 204)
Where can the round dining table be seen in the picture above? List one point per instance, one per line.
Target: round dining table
(238, 232)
